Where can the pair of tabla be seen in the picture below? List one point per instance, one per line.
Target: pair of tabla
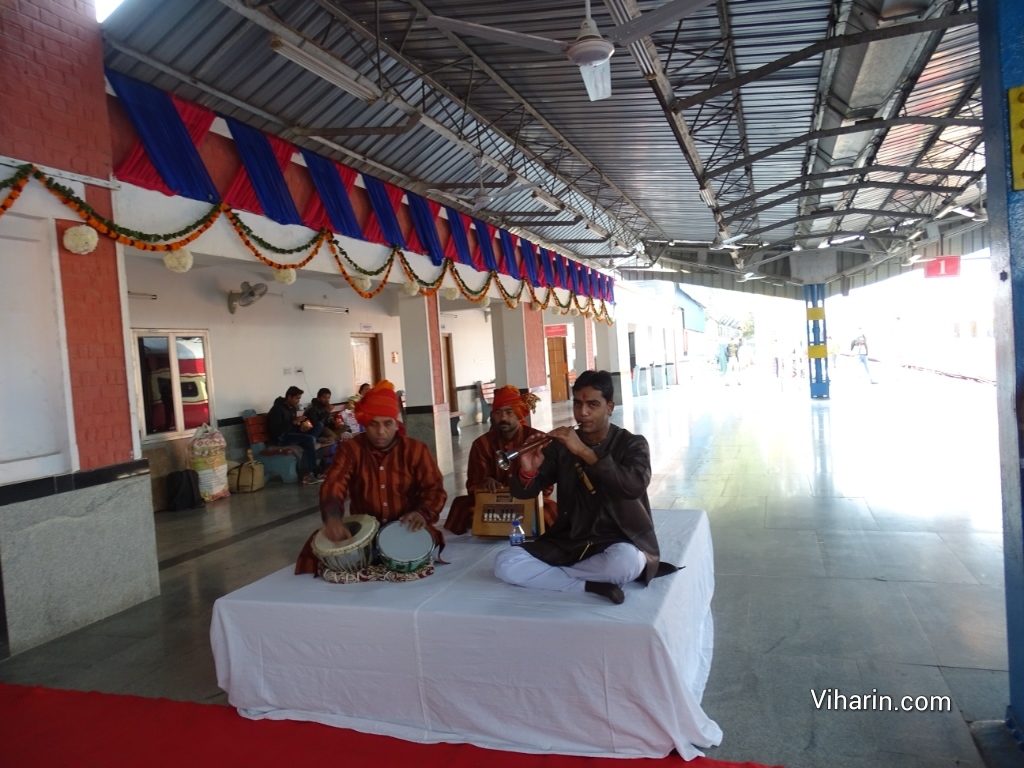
(398, 549)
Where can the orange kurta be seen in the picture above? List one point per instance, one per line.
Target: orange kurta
(384, 484)
(483, 463)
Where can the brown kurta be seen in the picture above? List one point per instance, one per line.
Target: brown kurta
(616, 511)
(384, 484)
(483, 463)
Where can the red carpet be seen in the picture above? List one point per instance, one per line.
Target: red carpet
(43, 727)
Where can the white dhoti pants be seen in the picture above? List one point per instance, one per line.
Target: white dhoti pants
(619, 564)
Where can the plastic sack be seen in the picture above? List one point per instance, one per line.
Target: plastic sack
(207, 456)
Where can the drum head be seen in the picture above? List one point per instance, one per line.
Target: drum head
(362, 528)
(402, 545)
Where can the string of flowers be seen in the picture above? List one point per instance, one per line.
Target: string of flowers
(511, 299)
(322, 235)
(142, 240)
(427, 287)
(335, 248)
(361, 270)
(17, 183)
(173, 241)
(474, 296)
(241, 227)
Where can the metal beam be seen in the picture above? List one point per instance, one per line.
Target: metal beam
(840, 174)
(837, 215)
(832, 43)
(820, 191)
(866, 125)
(354, 24)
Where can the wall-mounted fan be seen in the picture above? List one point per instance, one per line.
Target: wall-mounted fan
(246, 295)
(590, 51)
(483, 197)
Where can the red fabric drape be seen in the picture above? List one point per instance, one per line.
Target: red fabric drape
(139, 170)
(241, 194)
(372, 230)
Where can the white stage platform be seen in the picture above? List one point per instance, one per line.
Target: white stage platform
(461, 657)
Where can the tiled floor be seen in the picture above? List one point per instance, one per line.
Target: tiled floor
(857, 545)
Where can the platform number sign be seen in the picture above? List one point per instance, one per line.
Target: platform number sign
(943, 266)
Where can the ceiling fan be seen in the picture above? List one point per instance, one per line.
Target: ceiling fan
(483, 196)
(590, 51)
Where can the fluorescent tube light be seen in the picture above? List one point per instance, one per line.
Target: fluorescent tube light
(322, 308)
(314, 59)
(551, 205)
(134, 295)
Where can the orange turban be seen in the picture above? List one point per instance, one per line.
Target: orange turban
(380, 400)
(509, 397)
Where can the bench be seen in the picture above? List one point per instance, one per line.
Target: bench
(278, 460)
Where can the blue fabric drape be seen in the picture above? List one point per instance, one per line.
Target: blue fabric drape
(486, 245)
(562, 271)
(459, 237)
(264, 173)
(386, 216)
(333, 194)
(529, 261)
(426, 227)
(611, 289)
(595, 292)
(165, 138)
(546, 262)
(508, 248)
(573, 268)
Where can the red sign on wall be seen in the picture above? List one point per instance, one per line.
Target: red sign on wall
(554, 331)
(943, 266)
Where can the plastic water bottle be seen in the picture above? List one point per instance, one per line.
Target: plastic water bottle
(518, 535)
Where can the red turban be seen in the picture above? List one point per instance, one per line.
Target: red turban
(379, 400)
(509, 397)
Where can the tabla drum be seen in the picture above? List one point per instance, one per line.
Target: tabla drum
(352, 554)
(402, 550)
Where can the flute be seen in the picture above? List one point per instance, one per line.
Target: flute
(505, 458)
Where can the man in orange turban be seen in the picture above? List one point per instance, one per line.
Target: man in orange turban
(508, 432)
(379, 472)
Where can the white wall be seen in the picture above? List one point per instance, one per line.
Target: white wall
(250, 349)
(472, 342)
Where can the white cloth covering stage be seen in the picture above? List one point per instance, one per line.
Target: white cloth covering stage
(461, 657)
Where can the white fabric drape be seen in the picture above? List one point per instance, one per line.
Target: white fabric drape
(461, 657)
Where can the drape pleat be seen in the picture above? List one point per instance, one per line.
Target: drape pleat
(170, 162)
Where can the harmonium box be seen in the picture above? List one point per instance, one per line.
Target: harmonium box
(494, 513)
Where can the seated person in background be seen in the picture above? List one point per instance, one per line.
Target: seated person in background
(508, 432)
(288, 427)
(380, 473)
(604, 536)
(363, 389)
(348, 415)
(321, 412)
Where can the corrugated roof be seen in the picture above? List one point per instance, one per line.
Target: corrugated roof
(620, 163)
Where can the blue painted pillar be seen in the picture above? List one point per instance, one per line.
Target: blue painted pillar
(817, 349)
(1001, 35)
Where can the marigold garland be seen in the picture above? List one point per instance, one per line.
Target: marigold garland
(174, 241)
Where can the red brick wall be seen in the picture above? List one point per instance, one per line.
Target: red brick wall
(92, 315)
(55, 114)
(51, 85)
(434, 327)
(536, 346)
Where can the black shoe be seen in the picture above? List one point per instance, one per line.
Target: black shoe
(611, 591)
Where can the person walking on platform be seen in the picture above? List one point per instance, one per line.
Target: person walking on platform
(604, 535)
(859, 346)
